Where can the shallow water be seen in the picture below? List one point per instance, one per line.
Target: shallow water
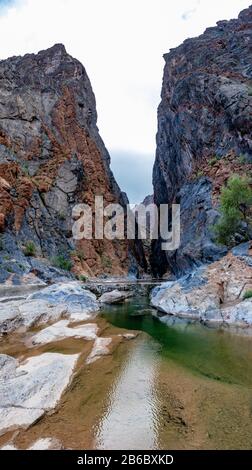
(130, 420)
(173, 387)
(208, 352)
(183, 386)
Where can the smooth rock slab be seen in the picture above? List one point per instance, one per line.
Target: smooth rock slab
(68, 300)
(100, 349)
(36, 388)
(60, 330)
(12, 418)
(114, 297)
(18, 314)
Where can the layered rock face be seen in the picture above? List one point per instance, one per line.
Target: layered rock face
(216, 295)
(204, 127)
(51, 158)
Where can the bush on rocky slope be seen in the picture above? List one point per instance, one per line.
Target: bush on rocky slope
(236, 202)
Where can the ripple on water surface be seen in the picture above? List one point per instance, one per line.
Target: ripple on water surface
(130, 420)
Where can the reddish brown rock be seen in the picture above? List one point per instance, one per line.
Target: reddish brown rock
(52, 157)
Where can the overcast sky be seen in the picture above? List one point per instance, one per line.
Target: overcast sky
(120, 43)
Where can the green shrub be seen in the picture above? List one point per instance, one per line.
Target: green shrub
(60, 261)
(62, 216)
(236, 201)
(106, 262)
(250, 90)
(242, 159)
(25, 169)
(213, 161)
(83, 278)
(79, 254)
(9, 269)
(30, 249)
(248, 294)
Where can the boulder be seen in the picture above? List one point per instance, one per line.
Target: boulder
(114, 297)
(81, 303)
(212, 294)
(27, 314)
(69, 300)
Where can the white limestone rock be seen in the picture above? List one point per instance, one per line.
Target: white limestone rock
(68, 300)
(37, 387)
(60, 330)
(26, 314)
(46, 443)
(100, 349)
(81, 303)
(114, 297)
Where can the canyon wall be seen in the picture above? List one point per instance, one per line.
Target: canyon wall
(51, 158)
(204, 135)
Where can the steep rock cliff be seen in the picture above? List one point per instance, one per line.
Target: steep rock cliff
(204, 127)
(51, 158)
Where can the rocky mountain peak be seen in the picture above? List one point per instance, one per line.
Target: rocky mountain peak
(51, 158)
(204, 116)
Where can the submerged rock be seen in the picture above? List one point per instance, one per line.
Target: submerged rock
(115, 297)
(129, 336)
(36, 388)
(46, 443)
(60, 330)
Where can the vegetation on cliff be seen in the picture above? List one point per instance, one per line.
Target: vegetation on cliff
(236, 202)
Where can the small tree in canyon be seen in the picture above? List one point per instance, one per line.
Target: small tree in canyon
(236, 203)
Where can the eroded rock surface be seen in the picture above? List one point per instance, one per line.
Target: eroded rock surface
(35, 388)
(81, 303)
(204, 126)
(52, 158)
(70, 300)
(212, 294)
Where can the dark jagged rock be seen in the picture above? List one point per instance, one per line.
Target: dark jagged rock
(51, 158)
(205, 112)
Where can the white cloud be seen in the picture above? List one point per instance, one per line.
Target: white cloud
(121, 43)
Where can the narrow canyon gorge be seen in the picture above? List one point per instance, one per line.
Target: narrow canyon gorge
(117, 343)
